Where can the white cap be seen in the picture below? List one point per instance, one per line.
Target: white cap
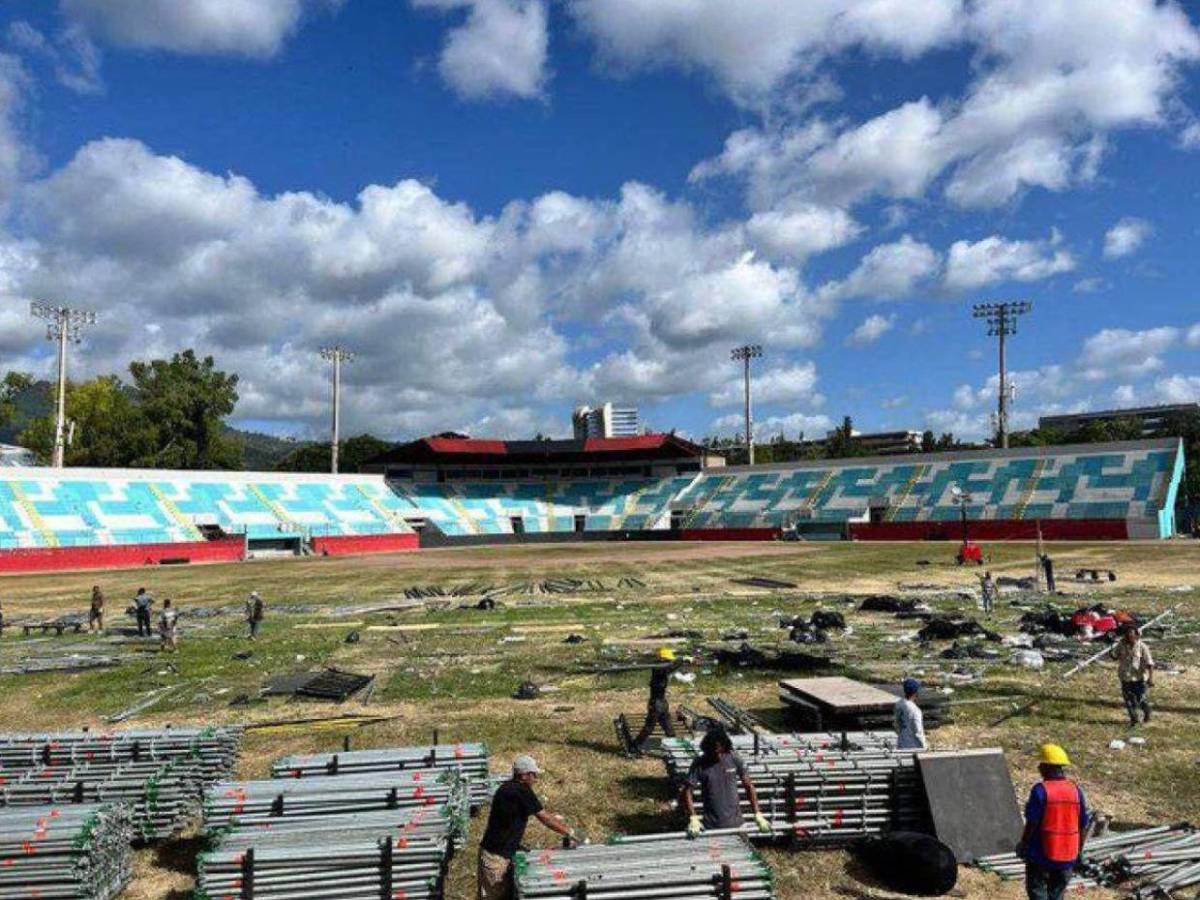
(525, 764)
(254, 594)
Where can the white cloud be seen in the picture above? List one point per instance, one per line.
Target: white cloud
(254, 28)
(1124, 395)
(1193, 335)
(1189, 138)
(500, 50)
(15, 157)
(1052, 81)
(1177, 389)
(797, 233)
(1126, 237)
(792, 384)
(73, 57)
(888, 271)
(871, 329)
(1118, 351)
(753, 47)
(894, 402)
(971, 266)
(1088, 285)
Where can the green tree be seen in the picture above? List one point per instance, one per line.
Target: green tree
(352, 453)
(184, 401)
(105, 426)
(928, 443)
(842, 443)
(13, 384)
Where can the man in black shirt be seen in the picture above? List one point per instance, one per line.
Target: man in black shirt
(512, 805)
(658, 710)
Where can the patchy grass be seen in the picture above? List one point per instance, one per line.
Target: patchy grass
(458, 676)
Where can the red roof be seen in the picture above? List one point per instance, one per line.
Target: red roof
(641, 442)
(472, 451)
(464, 445)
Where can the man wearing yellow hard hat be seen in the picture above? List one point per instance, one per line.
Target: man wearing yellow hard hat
(658, 710)
(1056, 819)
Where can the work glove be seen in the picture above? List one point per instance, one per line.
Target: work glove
(694, 827)
(763, 825)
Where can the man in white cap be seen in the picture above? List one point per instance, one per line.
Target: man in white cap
(512, 805)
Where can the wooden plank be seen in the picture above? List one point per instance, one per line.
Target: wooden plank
(423, 626)
(311, 626)
(972, 801)
(839, 694)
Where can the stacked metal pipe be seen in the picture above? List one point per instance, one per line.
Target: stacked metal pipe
(65, 852)
(1158, 860)
(243, 804)
(820, 790)
(655, 867)
(469, 759)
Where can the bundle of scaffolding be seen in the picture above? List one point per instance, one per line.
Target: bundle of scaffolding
(212, 750)
(821, 790)
(469, 759)
(1157, 860)
(243, 804)
(656, 867)
(162, 796)
(78, 852)
(387, 853)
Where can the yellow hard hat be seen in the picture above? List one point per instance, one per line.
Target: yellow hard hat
(666, 653)
(1053, 755)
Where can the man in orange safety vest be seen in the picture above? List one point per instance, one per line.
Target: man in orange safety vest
(1056, 819)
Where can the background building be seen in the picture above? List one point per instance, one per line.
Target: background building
(607, 421)
(877, 443)
(1152, 418)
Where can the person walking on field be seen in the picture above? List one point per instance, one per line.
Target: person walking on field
(1135, 669)
(254, 613)
(1056, 820)
(716, 773)
(1048, 571)
(908, 720)
(513, 804)
(168, 626)
(141, 611)
(96, 610)
(988, 590)
(658, 710)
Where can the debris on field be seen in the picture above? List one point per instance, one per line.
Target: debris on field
(574, 638)
(527, 690)
(685, 677)
(328, 684)
(1029, 659)
(769, 583)
(1116, 744)
(948, 627)
(1095, 575)
(353, 638)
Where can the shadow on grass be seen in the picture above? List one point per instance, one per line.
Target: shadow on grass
(608, 749)
(179, 855)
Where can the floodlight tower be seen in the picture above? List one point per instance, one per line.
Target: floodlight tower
(1002, 322)
(337, 354)
(744, 354)
(63, 325)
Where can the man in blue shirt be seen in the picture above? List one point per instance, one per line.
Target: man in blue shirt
(1056, 820)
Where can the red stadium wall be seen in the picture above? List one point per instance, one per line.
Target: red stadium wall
(340, 545)
(119, 556)
(994, 530)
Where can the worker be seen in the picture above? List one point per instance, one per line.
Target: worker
(512, 805)
(168, 626)
(717, 773)
(987, 590)
(1056, 819)
(1135, 669)
(96, 610)
(658, 710)
(1048, 570)
(141, 611)
(908, 719)
(254, 613)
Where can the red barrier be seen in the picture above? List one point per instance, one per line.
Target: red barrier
(728, 534)
(341, 545)
(994, 530)
(119, 556)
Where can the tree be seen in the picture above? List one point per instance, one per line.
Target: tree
(13, 384)
(841, 443)
(184, 401)
(352, 454)
(928, 444)
(105, 426)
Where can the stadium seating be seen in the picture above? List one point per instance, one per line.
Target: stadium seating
(42, 508)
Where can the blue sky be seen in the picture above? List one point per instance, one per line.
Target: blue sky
(508, 207)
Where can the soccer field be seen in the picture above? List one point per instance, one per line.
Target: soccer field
(447, 665)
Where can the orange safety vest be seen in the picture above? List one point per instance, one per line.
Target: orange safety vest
(1060, 821)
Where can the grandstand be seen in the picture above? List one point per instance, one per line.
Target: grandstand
(455, 490)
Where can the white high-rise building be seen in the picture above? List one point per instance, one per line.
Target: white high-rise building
(609, 420)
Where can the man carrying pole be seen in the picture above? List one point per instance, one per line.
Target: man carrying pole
(1135, 669)
(1056, 820)
(658, 710)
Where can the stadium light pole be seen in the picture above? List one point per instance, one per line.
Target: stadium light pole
(337, 354)
(63, 325)
(744, 354)
(1002, 322)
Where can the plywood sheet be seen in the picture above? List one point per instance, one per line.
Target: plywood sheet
(838, 694)
(972, 801)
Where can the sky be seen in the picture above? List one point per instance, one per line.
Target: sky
(507, 208)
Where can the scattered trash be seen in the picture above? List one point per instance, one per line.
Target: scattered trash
(1137, 741)
(243, 654)
(1029, 659)
(770, 583)
(738, 634)
(1116, 744)
(527, 690)
(1094, 575)
(574, 639)
(329, 684)
(685, 677)
(950, 627)
(353, 638)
